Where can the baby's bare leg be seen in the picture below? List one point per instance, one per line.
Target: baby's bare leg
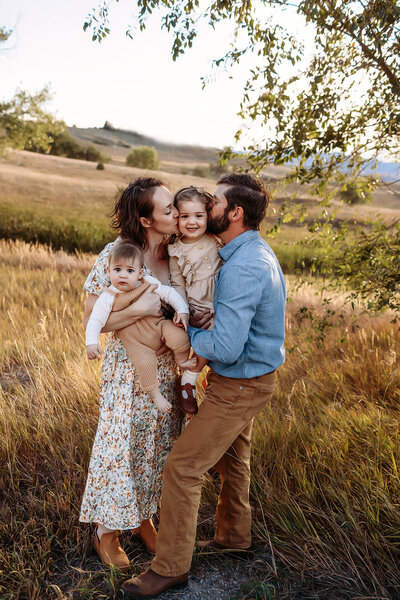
(160, 401)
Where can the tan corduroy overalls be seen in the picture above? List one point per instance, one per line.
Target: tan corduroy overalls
(142, 339)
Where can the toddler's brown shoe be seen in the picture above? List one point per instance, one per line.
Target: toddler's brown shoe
(187, 399)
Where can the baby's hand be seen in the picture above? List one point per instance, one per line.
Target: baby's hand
(93, 351)
(181, 319)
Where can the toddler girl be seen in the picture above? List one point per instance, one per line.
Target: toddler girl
(142, 338)
(194, 263)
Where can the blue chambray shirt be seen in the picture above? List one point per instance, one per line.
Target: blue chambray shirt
(249, 301)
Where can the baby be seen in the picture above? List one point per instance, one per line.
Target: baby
(194, 263)
(141, 339)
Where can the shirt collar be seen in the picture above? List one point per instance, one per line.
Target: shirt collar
(227, 251)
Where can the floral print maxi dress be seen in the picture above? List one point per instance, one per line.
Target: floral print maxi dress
(133, 439)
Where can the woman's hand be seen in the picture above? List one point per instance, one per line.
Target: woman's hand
(201, 320)
(148, 304)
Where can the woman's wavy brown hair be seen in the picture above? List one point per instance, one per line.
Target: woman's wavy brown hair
(135, 202)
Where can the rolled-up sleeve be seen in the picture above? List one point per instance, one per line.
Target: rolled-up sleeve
(237, 296)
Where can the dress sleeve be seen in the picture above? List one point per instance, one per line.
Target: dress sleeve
(177, 279)
(98, 277)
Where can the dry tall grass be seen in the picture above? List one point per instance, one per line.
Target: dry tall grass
(326, 452)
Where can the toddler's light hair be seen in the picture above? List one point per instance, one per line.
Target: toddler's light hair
(191, 194)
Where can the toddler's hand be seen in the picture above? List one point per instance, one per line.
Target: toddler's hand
(93, 351)
(181, 319)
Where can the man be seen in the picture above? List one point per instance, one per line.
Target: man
(244, 348)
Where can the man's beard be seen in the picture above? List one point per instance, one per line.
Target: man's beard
(219, 224)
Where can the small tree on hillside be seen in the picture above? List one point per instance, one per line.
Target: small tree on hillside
(143, 157)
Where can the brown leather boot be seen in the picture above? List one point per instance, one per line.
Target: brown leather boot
(110, 551)
(187, 401)
(148, 533)
(150, 585)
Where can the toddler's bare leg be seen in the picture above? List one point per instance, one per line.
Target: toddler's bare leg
(200, 363)
(182, 359)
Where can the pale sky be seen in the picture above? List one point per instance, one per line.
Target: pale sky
(134, 84)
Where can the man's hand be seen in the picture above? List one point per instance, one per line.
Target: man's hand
(201, 320)
(93, 351)
(181, 319)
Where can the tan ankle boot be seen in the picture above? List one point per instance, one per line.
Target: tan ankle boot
(110, 551)
(148, 533)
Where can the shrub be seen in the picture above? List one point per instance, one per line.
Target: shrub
(218, 170)
(143, 157)
(65, 145)
(357, 191)
(100, 166)
(200, 171)
(94, 155)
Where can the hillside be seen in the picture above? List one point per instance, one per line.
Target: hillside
(117, 143)
(175, 158)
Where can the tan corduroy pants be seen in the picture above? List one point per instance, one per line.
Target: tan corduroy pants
(143, 338)
(219, 435)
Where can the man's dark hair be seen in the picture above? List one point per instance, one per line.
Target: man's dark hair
(249, 193)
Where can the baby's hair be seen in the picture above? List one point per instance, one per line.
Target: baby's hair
(192, 193)
(124, 249)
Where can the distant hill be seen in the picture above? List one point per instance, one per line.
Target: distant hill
(182, 158)
(117, 143)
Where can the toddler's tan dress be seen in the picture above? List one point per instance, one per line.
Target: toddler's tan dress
(133, 438)
(194, 268)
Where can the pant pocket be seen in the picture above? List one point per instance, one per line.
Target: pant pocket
(257, 402)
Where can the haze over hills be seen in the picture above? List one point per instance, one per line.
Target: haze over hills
(117, 144)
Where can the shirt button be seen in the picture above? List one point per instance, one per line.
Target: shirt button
(200, 247)
(206, 258)
(209, 268)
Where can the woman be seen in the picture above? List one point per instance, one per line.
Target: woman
(133, 439)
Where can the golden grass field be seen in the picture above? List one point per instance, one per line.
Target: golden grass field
(326, 452)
